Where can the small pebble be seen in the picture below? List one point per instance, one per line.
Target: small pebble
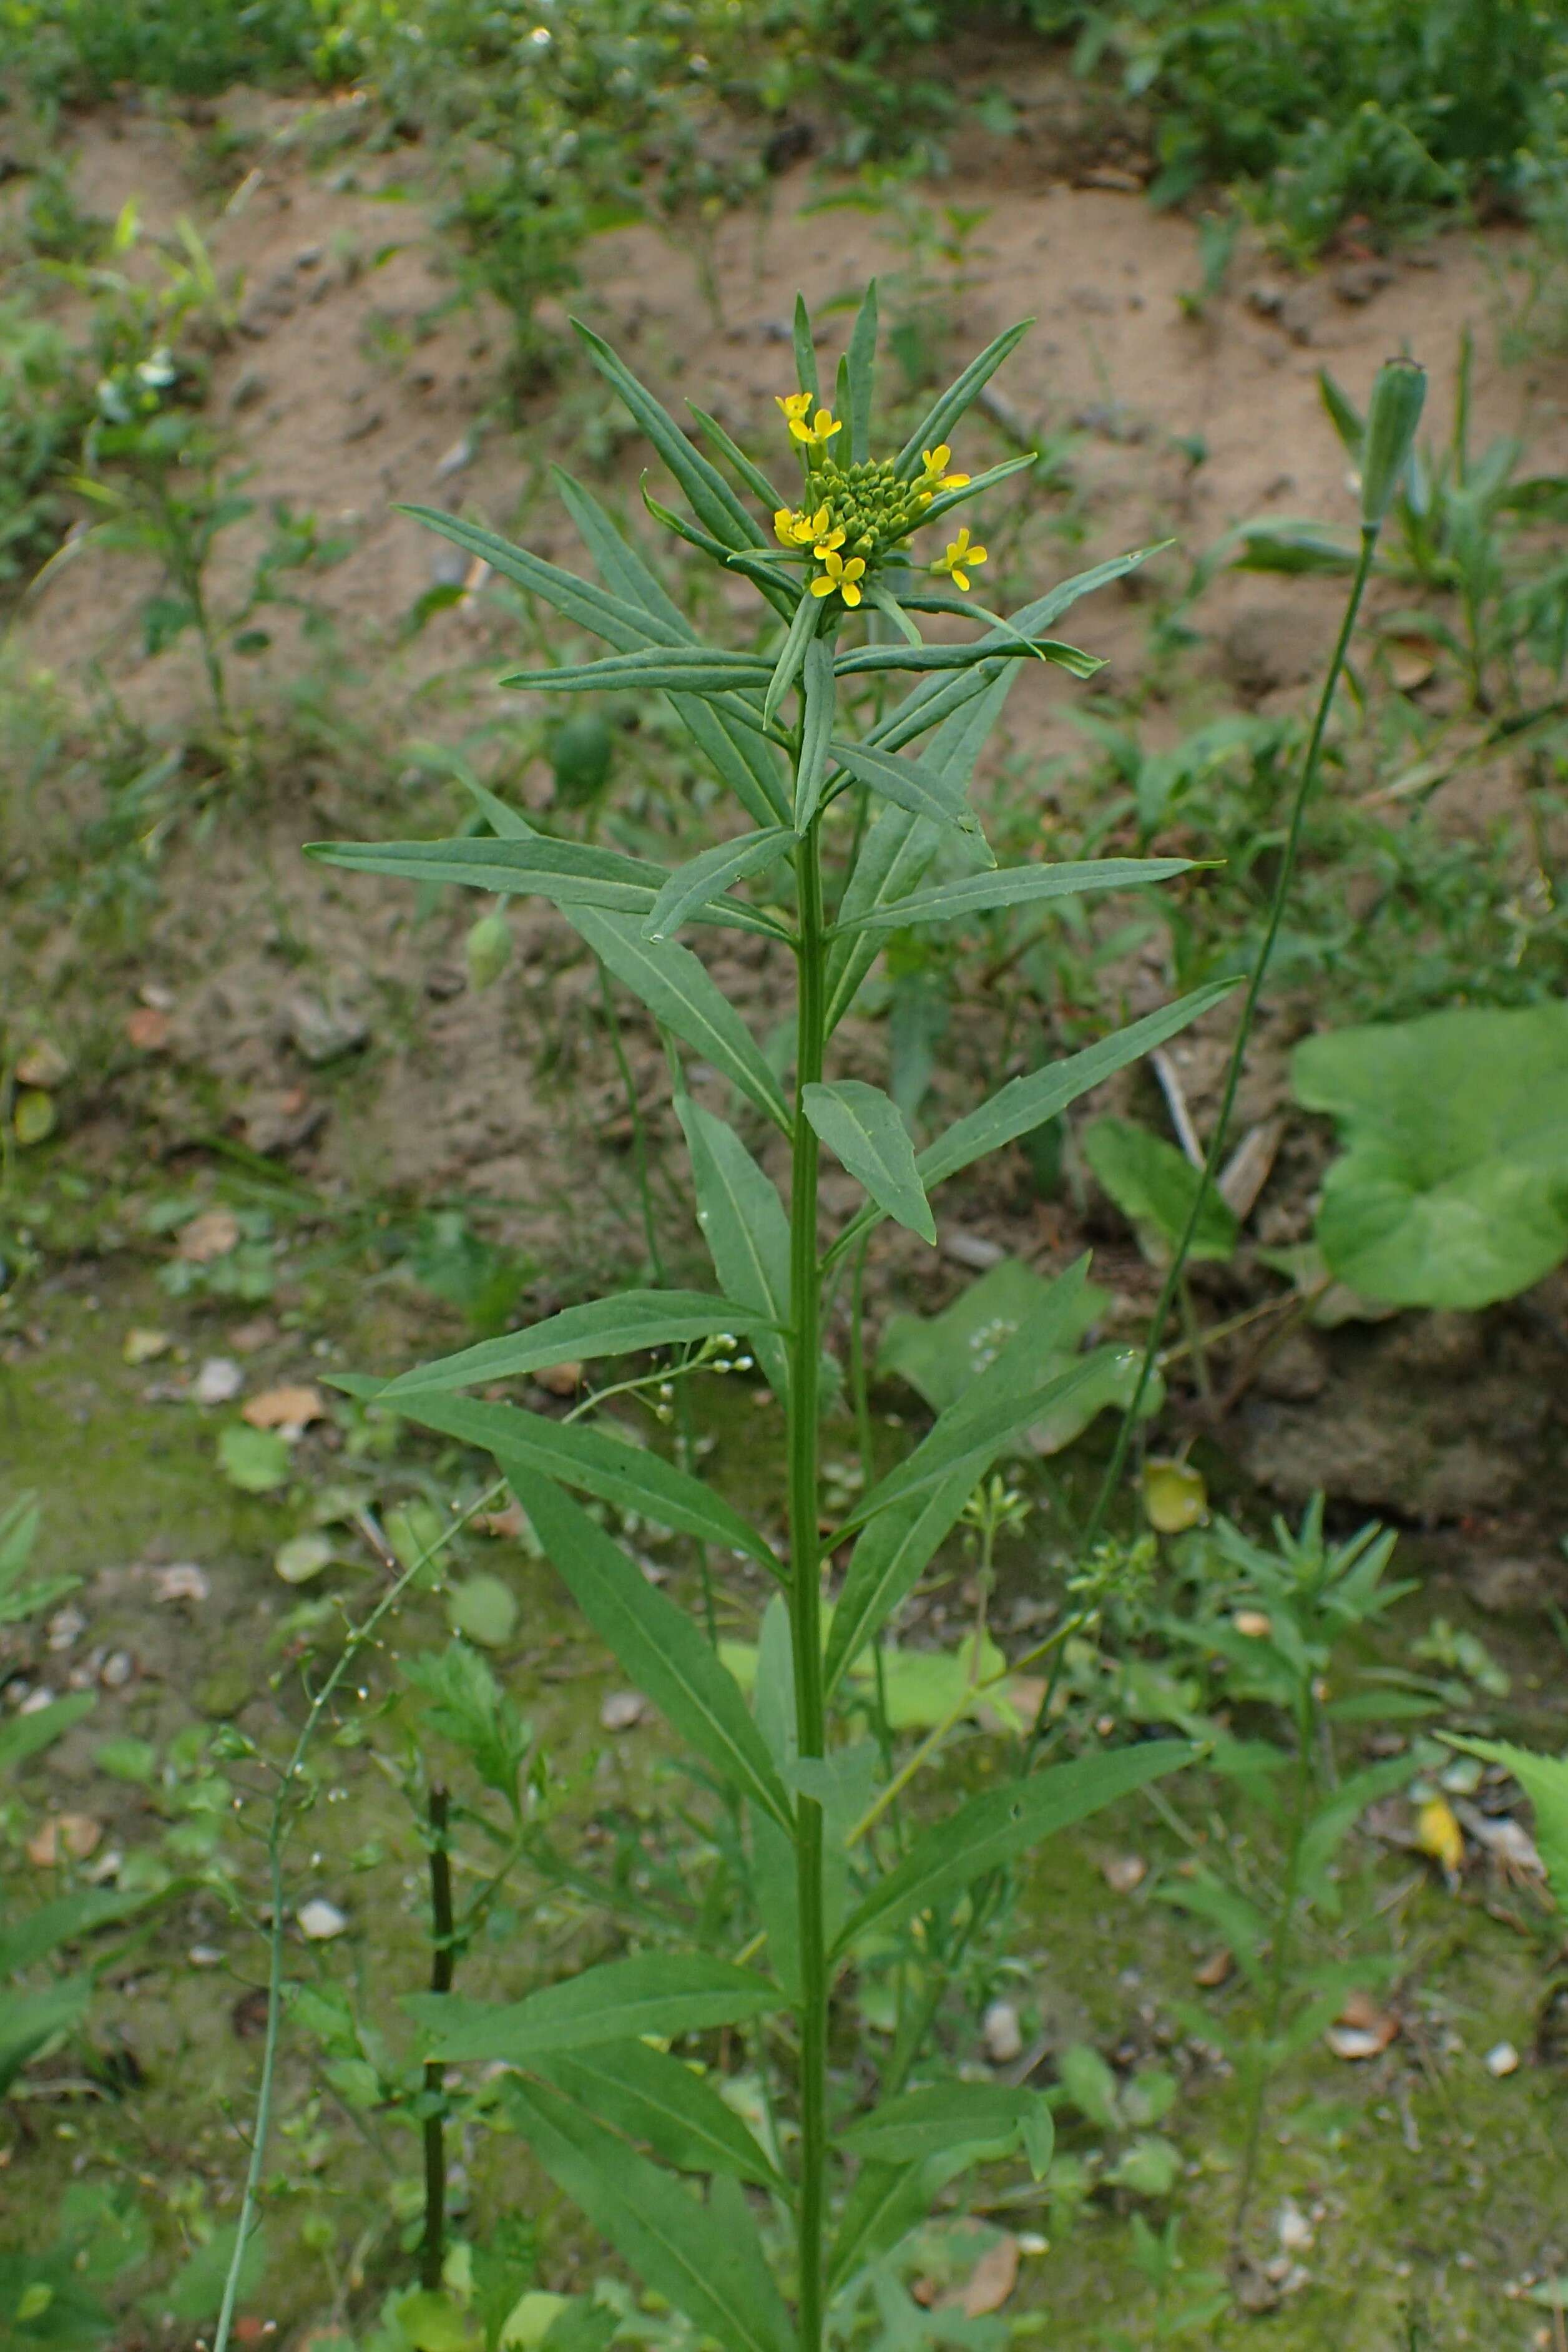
(184, 1582)
(320, 1920)
(1502, 2059)
(64, 1627)
(621, 1711)
(1002, 2034)
(205, 1956)
(219, 1380)
(117, 1670)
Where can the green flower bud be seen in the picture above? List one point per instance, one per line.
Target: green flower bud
(487, 950)
(1392, 418)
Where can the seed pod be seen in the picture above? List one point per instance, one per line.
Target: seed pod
(1392, 417)
(487, 950)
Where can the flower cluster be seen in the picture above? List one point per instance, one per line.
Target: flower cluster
(861, 513)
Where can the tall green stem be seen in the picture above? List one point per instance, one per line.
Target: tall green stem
(1170, 1288)
(806, 1592)
(1279, 1975)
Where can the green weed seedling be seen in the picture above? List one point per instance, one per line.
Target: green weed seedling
(1280, 1628)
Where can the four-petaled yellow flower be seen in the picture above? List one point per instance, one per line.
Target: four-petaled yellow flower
(960, 560)
(844, 577)
(819, 431)
(797, 530)
(794, 406)
(936, 477)
(829, 540)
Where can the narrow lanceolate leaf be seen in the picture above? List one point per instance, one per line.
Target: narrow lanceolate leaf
(622, 1326)
(703, 878)
(994, 1829)
(976, 488)
(970, 1440)
(941, 2118)
(710, 2268)
(776, 584)
(888, 1557)
(1024, 1103)
(805, 350)
(622, 623)
(678, 992)
(663, 1993)
(630, 1476)
(714, 502)
(861, 373)
(1054, 650)
(791, 653)
(1544, 1779)
(747, 1233)
(568, 873)
(656, 2099)
(692, 669)
(913, 784)
(864, 1128)
(885, 2203)
(819, 698)
(740, 757)
(1017, 886)
(936, 426)
(755, 480)
(895, 852)
(659, 1647)
(625, 571)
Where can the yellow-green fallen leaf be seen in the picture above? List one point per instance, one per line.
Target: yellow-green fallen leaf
(34, 1117)
(139, 1347)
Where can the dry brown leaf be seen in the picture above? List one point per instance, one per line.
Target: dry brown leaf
(63, 1836)
(1253, 1623)
(992, 2279)
(147, 1029)
(507, 1522)
(559, 1380)
(41, 1063)
(184, 1582)
(212, 1235)
(1123, 1872)
(1362, 2029)
(285, 1407)
(249, 1338)
(139, 1347)
(1215, 1969)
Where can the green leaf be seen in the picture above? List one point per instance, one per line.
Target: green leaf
(712, 501)
(941, 2119)
(976, 488)
(1289, 546)
(656, 2099)
(664, 1994)
(861, 375)
(483, 1610)
(466, 1705)
(689, 669)
(964, 1438)
(1343, 415)
(1155, 1186)
(25, 1941)
(747, 1233)
(978, 651)
(922, 789)
(805, 350)
(739, 754)
(1544, 1779)
(887, 2201)
(678, 992)
(941, 1356)
(1026, 1103)
(994, 1828)
(755, 480)
(31, 2019)
(568, 873)
(530, 1444)
(713, 2273)
(819, 703)
(791, 653)
(703, 878)
(888, 1557)
(626, 1325)
(430, 2321)
(254, 1459)
(1453, 1187)
(196, 2291)
(662, 1650)
(862, 1128)
(936, 426)
(624, 569)
(624, 624)
(1016, 886)
(28, 1735)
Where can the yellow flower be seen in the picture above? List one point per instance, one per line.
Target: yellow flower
(844, 577)
(797, 530)
(819, 431)
(828, 542)
(794, 406)
(960, 560)
(934, 461)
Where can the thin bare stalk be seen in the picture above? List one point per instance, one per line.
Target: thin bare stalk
(433, 2246)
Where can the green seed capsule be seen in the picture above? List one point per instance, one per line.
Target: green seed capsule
(1392, 419)
(487, 950)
